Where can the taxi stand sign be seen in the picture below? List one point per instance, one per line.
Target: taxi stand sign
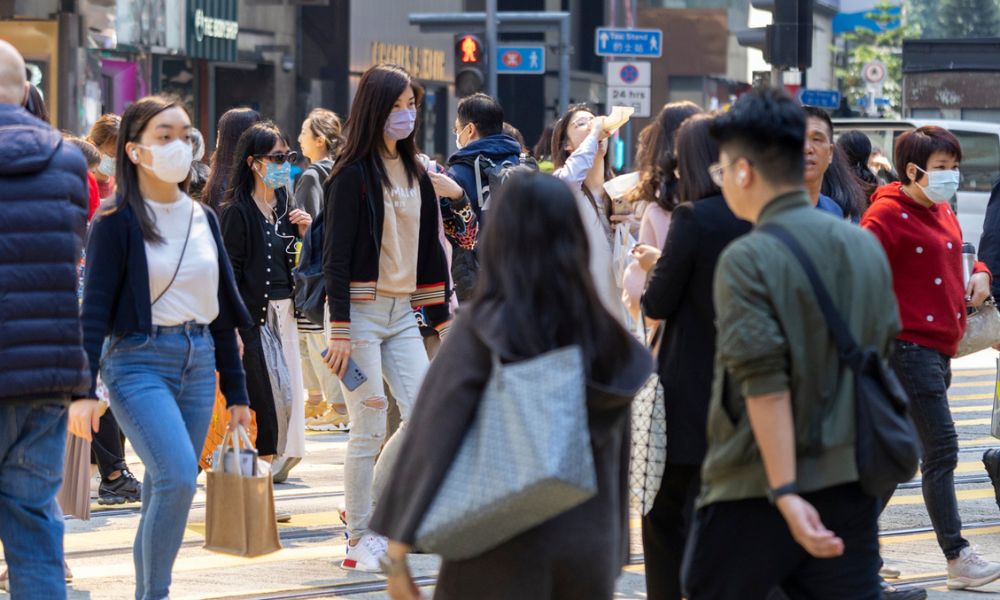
(612, 41)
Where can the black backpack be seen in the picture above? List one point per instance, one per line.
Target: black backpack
(886, 448)
(490, 178)
(310, 290)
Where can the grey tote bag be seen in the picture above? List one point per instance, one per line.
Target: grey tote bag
(526, 458)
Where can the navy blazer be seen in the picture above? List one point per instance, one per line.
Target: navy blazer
(116, 297)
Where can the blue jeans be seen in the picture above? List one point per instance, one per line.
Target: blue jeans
(32, 449)
(926, 376)
(162, 391)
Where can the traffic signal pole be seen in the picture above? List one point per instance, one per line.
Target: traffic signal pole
(491, 43)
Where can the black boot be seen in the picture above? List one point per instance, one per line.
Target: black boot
(991, 460)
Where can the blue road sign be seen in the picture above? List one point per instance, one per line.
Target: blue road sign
(629, 42)
(820, 98)
(883, 102)
(521, 60)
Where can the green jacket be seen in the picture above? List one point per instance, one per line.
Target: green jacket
(772, 337)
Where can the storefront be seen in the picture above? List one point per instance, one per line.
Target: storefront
(38, 42)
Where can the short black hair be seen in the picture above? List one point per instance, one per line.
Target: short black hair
(768, 128)
(818, 113)
(918, 145)
(484, 112)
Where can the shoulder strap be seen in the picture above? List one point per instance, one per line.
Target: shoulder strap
(479, 181)
(187, 237)
(847, 347)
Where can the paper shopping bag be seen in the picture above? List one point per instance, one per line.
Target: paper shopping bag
(74, 495)
(995, 424)
(239, 516)
(217, 428)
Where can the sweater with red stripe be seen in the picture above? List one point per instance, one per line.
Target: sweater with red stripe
(924, 247)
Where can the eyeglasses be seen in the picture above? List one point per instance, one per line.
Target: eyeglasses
(717, 170)
(278, 157)
(582, 121)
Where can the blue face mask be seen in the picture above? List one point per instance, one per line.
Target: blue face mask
(277, 175)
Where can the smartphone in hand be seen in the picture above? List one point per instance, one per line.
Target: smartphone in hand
(354, 376)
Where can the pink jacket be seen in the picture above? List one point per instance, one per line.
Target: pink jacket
(653, 232)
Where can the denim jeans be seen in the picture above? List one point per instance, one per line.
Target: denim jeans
(32, 449)
(162, 389)
(385, 344)
(926, 376)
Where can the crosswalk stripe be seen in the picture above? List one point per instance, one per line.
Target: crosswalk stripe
(973, 372)
(973, 384)
(976, 494)
(983, 441)
(972, 409)
(969, 422)
(960, 397)
(930, 535)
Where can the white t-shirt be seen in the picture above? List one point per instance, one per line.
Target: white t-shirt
(194, 295)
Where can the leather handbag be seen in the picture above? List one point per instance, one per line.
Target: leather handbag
(526, 458)
(982, 329)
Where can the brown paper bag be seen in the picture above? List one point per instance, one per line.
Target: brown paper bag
(74, 495)
(239, 516)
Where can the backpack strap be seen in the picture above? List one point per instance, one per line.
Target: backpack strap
(479, 181)
(846, 345)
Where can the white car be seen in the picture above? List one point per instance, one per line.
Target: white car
(980, 160)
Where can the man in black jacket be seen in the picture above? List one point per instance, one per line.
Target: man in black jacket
(43, 215)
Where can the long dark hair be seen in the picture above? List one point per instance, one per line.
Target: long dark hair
(656, 159)
(134, 122)
(696, 152)
(543, 147)
(378, 91)
(857, 149)
(34, 103)
(232, 124)
(841, 184)
(560, 136)
(259, 139)
(534, 269)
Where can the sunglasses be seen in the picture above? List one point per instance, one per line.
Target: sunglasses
(278, 157)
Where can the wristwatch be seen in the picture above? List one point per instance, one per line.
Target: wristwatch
(392, 567)
(774, 493)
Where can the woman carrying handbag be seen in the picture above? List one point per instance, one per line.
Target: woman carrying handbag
(519, 314)
(159, 294)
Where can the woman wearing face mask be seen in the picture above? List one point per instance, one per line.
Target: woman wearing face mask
(159, 294)
(923, 242)
(260, 230)
(578, 150)
(382, 259)
(104, 135)
(232, 124)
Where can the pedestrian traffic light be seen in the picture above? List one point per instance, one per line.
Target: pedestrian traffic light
(469, 65)
(787, 42)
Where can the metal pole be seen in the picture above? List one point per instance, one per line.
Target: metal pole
(630, 16)
(777, 78)
(491, 45)
(564, 51)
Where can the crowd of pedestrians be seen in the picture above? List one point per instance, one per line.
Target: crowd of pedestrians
(753, 225)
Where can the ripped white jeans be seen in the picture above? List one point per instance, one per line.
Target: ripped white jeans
(387, 346)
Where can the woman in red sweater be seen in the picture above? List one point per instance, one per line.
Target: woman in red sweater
(923, 241)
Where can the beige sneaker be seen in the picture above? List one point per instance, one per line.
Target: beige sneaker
(970, 570)
(316, 409)
(330, 421)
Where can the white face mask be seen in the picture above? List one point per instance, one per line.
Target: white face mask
(458, 139)
(171, 162)
(941, 185)
(107, 166)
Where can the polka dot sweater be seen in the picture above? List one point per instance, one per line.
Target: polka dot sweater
(924, 247)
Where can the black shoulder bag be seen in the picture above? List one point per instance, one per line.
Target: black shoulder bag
(886, 448)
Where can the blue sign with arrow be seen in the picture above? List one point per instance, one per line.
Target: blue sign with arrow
(612, 41)
(829, 99)
(521, 60)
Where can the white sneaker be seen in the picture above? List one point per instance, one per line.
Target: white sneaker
(95, 486)
(366, 554)
(969, 570)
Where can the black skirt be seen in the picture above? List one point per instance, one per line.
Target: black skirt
(259, 390)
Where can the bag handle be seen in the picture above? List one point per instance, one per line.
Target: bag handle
(846, 345)
(187, 237)
(236, 442)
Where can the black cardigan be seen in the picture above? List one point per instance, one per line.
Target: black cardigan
(352, 242)
(247, 250)
(116, 297)
(680, 293)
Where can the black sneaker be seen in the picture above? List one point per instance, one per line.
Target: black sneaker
(991, 460)
(893, 593)
(124, 489)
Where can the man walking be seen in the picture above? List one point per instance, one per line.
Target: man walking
(780, 466)
(43, 215)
